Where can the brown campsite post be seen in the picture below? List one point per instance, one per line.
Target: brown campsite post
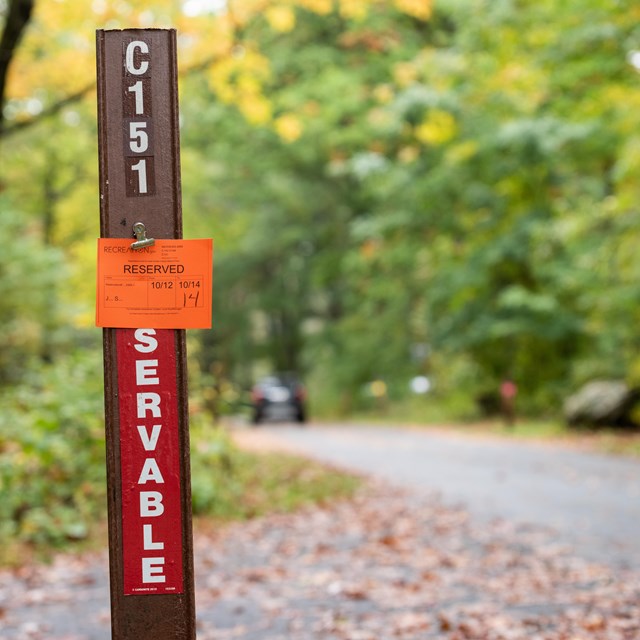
(148, 476)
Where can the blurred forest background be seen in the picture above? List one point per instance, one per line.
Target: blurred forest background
(394, 187)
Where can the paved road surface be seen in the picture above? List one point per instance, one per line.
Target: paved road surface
(256, 577)
(592, 501)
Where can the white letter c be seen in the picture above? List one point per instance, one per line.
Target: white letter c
(143, 47)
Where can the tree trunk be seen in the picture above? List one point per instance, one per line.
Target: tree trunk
(18, 15)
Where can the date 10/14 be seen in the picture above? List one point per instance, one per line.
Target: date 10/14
(188, 288)
(138, 121)
(182, 284)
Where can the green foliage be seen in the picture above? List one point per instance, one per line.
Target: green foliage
(52, 470)
(52, 463)
(375, 182)
(374, 179)
(30, 273)
(228, 483)
(462, 183)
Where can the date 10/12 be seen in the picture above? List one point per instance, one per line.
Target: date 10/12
(182, 284)
(188, 288)
(137, 119)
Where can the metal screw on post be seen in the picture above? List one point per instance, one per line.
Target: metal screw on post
(140, 233)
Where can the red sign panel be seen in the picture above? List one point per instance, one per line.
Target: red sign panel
(150, 461)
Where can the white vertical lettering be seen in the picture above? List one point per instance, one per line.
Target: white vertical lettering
(149, 442)
(152, 569)
(148, 402)
(141, 46)
(151, 504)
(138, 137)
(150, 472)
(145, 336)
(146, 372)
(141, 168)
(147, 535)
(137, 90)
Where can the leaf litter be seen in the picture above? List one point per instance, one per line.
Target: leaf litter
(385, 565)
(390, 565)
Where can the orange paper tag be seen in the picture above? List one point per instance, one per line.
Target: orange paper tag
(166, 286)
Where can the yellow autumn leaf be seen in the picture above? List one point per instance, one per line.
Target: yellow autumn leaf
(288, 127)
(383, 93)
(280, 18)
(421, 9)
(214, 43)
(248, 85)
(354, 9)
(404, 73)
(255, 108)
(380, 118)
(438, 128)
(252, 61)
(244, 11)
(239, 80)
(220, 79)
(407, 155)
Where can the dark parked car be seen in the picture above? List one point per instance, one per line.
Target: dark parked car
(279, 397)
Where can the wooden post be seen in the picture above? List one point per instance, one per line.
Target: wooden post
(148, 476)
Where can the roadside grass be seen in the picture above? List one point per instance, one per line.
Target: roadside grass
(227, 484)
(459, 415)
(622, 442)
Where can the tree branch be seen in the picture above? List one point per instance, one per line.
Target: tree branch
(70, 99)
(51, 110)
(18, 17)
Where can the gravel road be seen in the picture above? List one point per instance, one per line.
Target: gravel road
(592, 501)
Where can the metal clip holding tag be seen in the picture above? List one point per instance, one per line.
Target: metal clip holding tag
(142, 241)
